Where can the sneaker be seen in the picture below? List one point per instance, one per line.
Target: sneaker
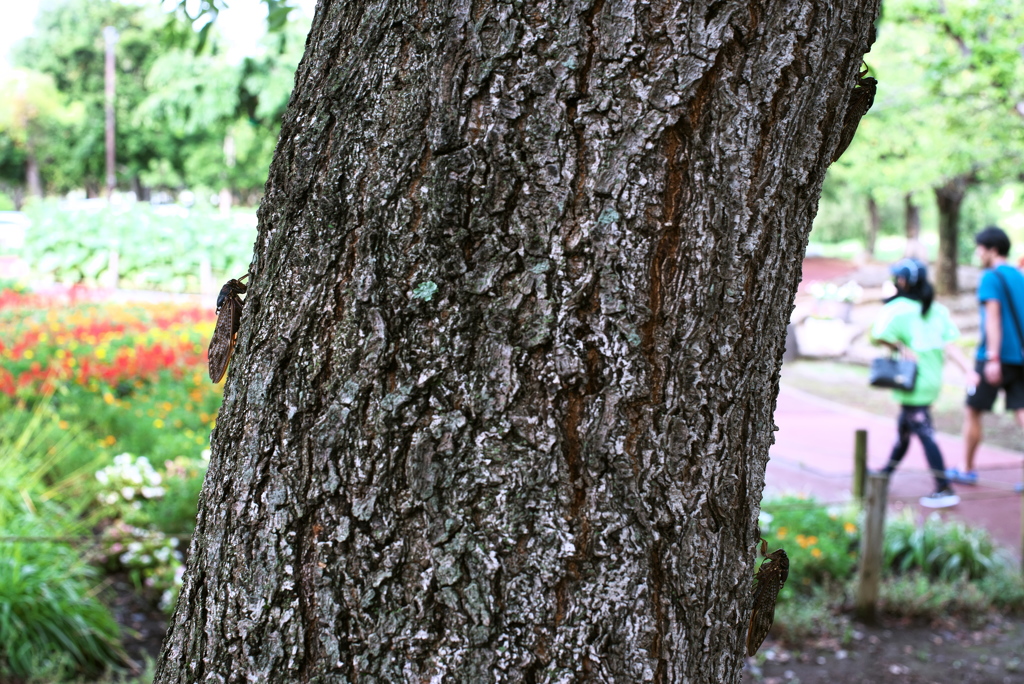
(943, 499)
(969, 477)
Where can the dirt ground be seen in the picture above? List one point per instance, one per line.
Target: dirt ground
(143, 625)
(897, 652)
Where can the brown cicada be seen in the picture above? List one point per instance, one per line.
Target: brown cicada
(861, 99)
(229, 314)
(768, 583)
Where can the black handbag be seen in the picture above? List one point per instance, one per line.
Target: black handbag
(893, 373)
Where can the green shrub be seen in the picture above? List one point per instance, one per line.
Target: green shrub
(821, 541)
(150, 558)
(816, 613)
(915, 595)
(175, 512)
(156, 249)
(51, 624)
(939, 549)
(50, 621)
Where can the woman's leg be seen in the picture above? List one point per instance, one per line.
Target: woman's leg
(920, 422)
(899, 449)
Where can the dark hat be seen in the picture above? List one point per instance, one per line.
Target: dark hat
(911, 270)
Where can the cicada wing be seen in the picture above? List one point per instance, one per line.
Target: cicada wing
(762, 618)
(769, 581)
(223, 341)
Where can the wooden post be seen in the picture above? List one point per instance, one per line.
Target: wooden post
(870, 568)
(860, 463)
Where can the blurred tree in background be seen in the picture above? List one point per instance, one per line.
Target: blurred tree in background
(68, 46)
(187, 117)
(938, 153)
(946, 125)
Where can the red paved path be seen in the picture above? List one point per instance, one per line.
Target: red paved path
(813, 454)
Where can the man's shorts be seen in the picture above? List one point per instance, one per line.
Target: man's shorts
(984, 396)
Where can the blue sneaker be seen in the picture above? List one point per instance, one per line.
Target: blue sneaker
(969, 477)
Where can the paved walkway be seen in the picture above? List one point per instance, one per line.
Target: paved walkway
(813, 454)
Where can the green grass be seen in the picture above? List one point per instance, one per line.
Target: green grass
(51, 623)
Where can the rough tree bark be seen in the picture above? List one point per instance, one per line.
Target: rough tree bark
(948, 198)
(502, 398)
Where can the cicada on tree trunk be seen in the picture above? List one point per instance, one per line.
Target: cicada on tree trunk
(229, 315)
(768, 582)
(861, 99)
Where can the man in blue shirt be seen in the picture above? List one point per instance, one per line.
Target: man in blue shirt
(1000, 360)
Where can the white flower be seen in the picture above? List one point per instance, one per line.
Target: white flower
(128, 493)
(152, 492)
(102, 476)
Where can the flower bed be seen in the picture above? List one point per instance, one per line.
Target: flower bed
(109, 409)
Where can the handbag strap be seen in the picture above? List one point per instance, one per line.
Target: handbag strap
(1009, 301)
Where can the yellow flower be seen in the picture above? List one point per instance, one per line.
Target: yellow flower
(108, 397)
(781, 534)
(63, 425)
(101, 353)
(850, 528)
(28, 354)
(816, 552)
(158, 423)
(109, 440)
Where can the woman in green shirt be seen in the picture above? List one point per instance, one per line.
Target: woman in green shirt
(914, 322)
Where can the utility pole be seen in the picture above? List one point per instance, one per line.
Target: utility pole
(110, 37)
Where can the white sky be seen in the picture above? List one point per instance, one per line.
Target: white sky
(242, 24)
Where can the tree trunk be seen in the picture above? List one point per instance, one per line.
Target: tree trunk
(874, 221)
(502, 397)
(33, 180)
(912, 228)
(949, 197)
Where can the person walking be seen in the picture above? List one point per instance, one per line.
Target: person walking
(912, 322)
(1000, 361)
